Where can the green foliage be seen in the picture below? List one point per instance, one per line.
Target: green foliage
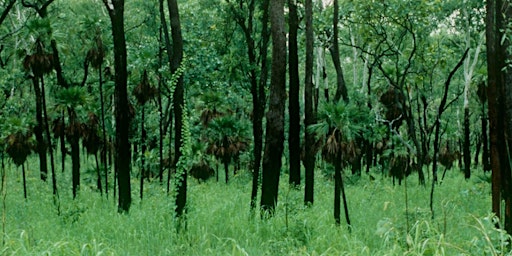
(216, 226)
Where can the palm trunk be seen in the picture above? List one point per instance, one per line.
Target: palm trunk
(24, 181)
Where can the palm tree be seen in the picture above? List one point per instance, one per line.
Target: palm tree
(71, 99)
(339, 124)
(19, 144)
(143, 92)
(227, 140)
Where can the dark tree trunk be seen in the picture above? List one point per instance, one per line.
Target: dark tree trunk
(122, 116)
(39, 129)
(441, 109)
(493, 81)
(467, 144)
(103, 132)
(309, 151)
(293, 105)
(485, 142)
(74, 141)
(341, 88)
(259, 102)
(49, 138)
(274, 141)
(177, 56)
(506, 110)
(24, 181)
(143, 136)
(337, 189)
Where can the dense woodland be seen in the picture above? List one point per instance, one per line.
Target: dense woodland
(121, 100)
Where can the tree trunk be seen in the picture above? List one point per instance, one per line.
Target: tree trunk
(122, 116)
(38, 130)
(49, 138)
(309, 119)
(337, 189)
(177, 56)
(293, 106)
(467, 144)
(441, 109)
(485, 142)
(143, 136)
(506, 109)
(493, 74)
(341, 88)
(103, 132)
(272, 158)
(74, 141)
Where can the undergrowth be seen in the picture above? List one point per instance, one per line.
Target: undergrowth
(220, 223)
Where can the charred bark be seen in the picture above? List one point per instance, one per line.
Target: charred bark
(309, 157)
(274, 141)
(293, 105)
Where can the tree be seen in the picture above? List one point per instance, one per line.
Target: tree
(309, 119)
(499, 75)
(176, 62)
(293, 99)
(274, 140)
(257, 58)
(341, 88)
(115, 10)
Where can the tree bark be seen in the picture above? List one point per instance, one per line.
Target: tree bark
(493, 73)
(309, 151)
(122, 116)
(38, 131)
(274, 141)
(341, 88)
(293, 105)
(177, 56)
(259, 102)
(506, 109)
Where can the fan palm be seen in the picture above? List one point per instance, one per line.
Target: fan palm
(340, 124)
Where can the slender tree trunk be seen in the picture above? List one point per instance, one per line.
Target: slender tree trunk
(24, 181)
(293, 105)
(74, 141)
(259, 102)
(440, 111)
(309, 156)
(39, 129)
(122, 146)
(177, 54)
(274, 141)
(98, 173)
(467, 144)
(485, 142)
(103, 132)
(49, 138)
(337, 189)
(142, 153)
(341, 88)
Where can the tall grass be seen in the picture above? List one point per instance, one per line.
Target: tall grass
(220, 223)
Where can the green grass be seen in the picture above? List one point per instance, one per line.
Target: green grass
(219, 221)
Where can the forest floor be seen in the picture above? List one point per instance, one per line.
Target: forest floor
(219, 221)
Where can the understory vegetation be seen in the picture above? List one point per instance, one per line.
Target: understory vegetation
(90, 225)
